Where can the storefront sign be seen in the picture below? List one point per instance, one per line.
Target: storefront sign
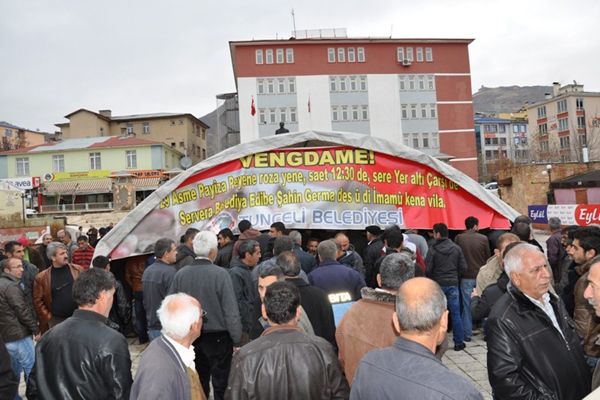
(27, 183)
(69, 176)
(569, 214)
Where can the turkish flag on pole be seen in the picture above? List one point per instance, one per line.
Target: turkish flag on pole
(308, 103)
(252, 108)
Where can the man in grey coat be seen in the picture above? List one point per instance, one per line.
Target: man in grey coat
(409, 369)
(211, 286)
(167, 369)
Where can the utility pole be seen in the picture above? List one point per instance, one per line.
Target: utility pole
(294, 21)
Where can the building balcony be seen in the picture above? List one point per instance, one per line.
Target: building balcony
(76, 208)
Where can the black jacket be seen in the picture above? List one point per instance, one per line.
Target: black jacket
(17, 319)
(307, 261)
(316, 304)
(245, 292)
(81, 358)
(224, 255)
(482, 305)
(9, 384)
(373, 253)
(445, 262)
(120, 313)
(528, 358)
(185, 256)
(285, 363)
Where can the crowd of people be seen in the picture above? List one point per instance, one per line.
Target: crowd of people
(282, 315)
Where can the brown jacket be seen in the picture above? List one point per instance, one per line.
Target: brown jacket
(476, 250)
(134, 269)
(366, 326)
(587, 324)
(42, 293)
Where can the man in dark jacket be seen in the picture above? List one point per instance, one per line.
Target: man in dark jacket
(9, 385)
(83, 340)
(307, 261)
(554, 248)
(476, 249)
(120, 312)
(285, 363)
(348, 255)
(335, 279)
(314, 301)
(211, 286)
(17, 250)
(533, 351)
(373, 252)
(243, 287)
(225, 239)
(409, 369)
(17, 320)
(445, 263)
(156, 282)
(185, 251)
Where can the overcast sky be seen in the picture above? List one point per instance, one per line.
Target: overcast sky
(144, 56)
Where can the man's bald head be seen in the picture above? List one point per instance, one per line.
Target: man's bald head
(420, 305)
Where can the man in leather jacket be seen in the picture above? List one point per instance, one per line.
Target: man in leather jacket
(285, 363)
(533, 350)
(83, 358)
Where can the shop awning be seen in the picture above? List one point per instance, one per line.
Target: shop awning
(142, 184)
(87, 186)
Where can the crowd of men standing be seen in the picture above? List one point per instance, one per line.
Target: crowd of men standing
(260, 317)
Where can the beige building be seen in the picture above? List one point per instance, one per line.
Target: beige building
(183, 132)
(565, 126)
(14, 137)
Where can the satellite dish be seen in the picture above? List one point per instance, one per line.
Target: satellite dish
(185, 162)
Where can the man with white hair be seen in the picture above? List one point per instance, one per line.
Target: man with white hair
(533, 350)
(167, 369)
(211, 286)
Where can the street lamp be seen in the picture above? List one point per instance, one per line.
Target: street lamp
(549, 194)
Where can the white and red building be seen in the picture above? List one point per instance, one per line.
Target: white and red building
(414, 90)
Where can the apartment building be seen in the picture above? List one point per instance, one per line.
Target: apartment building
(417, 91)
(183, 132)
(13, 137)
(565, 126)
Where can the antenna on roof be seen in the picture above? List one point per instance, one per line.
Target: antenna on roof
(392, 31)
(294, 21)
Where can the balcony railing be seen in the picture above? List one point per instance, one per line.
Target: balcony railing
(77, 207)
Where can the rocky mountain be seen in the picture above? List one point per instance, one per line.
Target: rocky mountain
(507, 98)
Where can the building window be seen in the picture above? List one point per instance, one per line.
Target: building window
(341, 54)
(423, 110)
(58, 163)
(420, 57)
(279, 56)
(400, 54)
(565, 142)
(544, 145)
(8, 132)
(332, 84)
(181, 145)
(344, 113)
(342, 83)
(180, 122)
(22, 166)
(281, 85)
(95, 162)
(172, 145)
(260, 86)
(361, 54)
(580, 122)
(129, 128)
(269, 56)
(355, 113)
(331, 55)
(415, 140)
(409, 54)
(282, 115)
(292, 114)
(131, 156)
(334, 113)
(579, 103)
(270, 86)
(291, 85)
(289, 56)
(365, 113)
(411, 82)
(259, 56)
(432, 112)
(428, 54)
(426, 140)
(421, 80)
(541, 111)
(203, 154)
(351, 55)
(261, 116)
(501, 128)
(406, 139)
(543, 129)
(430, 82)
(583, 140)
(146, 128)
(563, 124)
(353, 87)
(562, 105)
(404, 111)
(363, 83)
(272, 115)
(413, 111)
(402, 80)
(434, 140)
